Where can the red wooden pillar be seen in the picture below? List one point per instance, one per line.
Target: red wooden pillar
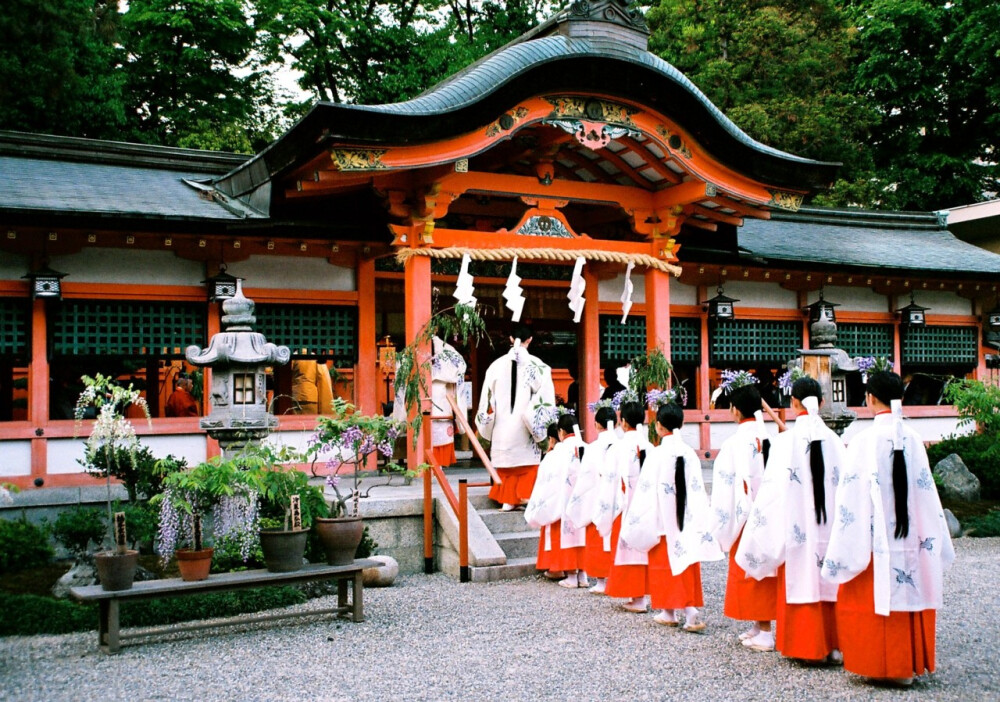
(658, 310)
(213, 327)
(417, 278)
(704, 392)
(38, 389)
(590, 365)
(897, 342)
(366, 380)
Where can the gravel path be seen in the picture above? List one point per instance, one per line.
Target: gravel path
(431, 638)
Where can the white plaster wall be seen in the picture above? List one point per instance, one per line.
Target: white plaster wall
(13, 266)
(852, 299)
(293, 273)
(15, 458)
(63, 455)
(939, 301)
(139, 267)
(692, 437)
(751, 294)
(610, 290)
(721, 431)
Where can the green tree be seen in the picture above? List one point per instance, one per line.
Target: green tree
(931, 67)
(191, 76)
(383, 51)
(57, 60)
(778, 68)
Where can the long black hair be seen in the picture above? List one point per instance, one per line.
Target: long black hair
(671, 417)
(801, 389)
(746, 399)
(886, 386)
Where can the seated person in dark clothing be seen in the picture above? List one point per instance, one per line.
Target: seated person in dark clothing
(612, 386)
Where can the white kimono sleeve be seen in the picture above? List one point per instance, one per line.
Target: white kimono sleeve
(548, 498)
(762, 546)
(486, 414)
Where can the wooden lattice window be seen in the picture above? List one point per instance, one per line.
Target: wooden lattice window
(139, 328)
(622, 342)
(941, 346)
(311, 330)
(243, 388)
(13, 328)
(865, 339)
(755, 341)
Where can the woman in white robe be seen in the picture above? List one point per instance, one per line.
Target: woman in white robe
(789, 527)
(561, 545)
(890, 547)
(670, 520)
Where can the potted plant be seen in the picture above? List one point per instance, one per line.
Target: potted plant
(288, 505)
(348, 437)
(113, 440)
(219, 487)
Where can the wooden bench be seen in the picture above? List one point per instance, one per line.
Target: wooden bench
(110, 636)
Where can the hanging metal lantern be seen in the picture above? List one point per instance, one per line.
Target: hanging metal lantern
(912, 315)
(221, 286)
(721, 307)
(45, 282)
(993, 318)
(815, 309)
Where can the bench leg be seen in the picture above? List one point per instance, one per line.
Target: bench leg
(342, 594)
(357, 601)
(108, 628)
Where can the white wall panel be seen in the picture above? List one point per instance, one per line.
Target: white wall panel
(15, 458)
(292, 273)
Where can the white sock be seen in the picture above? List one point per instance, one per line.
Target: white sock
(691, 614)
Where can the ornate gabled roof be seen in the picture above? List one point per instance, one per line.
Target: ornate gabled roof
(590, 49)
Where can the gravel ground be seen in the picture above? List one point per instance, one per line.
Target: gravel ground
(431, 638)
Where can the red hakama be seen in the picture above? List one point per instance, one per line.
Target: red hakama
(624, 580)
(746, 598)
(445, 455)
(669, 591)
(804, 631)
(558, 558)
(898, 646)
(596, 560)
(516, 486)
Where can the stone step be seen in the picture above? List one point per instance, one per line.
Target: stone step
(514, 568)
(518, 544)
(498, 521)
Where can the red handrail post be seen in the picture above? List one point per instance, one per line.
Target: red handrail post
(463, 530)
(428, 523)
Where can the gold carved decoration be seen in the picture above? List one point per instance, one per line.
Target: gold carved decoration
(506, 121)
(593, 110)
(673, 140)
(785, 201)
(358, 159)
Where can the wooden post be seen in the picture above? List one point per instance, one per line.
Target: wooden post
(589, 372)
(428, 523)
(704, 394)
(658, 310)
(212, 327)
(366, 377)
(463, 530)
(38, 389)
(897, 341)
(417, 277)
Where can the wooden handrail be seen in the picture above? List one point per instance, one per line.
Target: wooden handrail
(477, 447)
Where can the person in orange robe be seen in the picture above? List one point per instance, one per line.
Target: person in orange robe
(580, 510)
(891, 551)
(560, 545)
(628, 574)
(181, 402)
(736, 477)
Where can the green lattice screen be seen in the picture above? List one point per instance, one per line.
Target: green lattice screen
(941, 345)
(13, 327)
(749, 341)
(87, 328)
(622, 342)
(865, 339)
(311, 330)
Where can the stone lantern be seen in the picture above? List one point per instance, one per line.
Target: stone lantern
(238, 357)
(829, 366)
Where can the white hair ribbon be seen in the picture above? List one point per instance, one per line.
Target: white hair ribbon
(811, 403)
(760, 426)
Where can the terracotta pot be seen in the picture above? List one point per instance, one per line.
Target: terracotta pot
(283, 550)
(340, 538)
(116, 571)
(194, 565)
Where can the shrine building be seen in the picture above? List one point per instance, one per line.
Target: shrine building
(573, 141)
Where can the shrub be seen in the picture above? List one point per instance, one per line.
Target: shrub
(139, 471)
(23, 545)
(976, 402)
(984, 525)
(981, 455)
(141, 521)
(367, 547)
(77, 526)
(28, 615)
(226, 556)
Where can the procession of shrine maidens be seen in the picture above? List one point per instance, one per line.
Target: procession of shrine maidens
(571, 179)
